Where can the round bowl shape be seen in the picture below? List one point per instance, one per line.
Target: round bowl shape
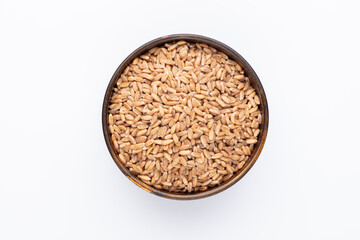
(249, 72)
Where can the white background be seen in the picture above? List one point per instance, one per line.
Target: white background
(58, 181)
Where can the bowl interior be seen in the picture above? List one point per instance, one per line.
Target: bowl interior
(249, 72)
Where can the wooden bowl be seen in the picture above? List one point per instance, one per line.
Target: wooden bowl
(255, 82)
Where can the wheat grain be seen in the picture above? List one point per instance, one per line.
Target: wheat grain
(183, 117)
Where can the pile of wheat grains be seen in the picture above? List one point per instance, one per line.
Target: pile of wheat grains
(183, 117)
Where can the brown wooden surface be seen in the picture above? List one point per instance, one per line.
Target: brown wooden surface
(255, 82)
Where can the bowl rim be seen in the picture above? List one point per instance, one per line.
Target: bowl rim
(250, 73)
